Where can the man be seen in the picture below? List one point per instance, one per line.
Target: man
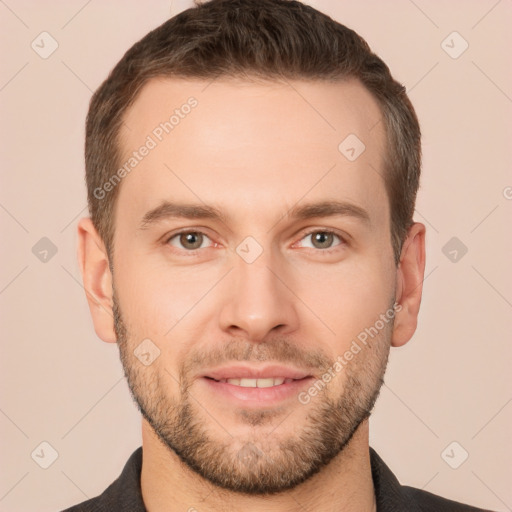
(252, 170)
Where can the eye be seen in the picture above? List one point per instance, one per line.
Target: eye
(323, 239)
(189, 240)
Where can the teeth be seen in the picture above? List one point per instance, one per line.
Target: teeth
(266, 383)
(257, 383)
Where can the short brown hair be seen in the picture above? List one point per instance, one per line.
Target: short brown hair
(269, 39)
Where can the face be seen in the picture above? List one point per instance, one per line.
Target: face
(252, 254)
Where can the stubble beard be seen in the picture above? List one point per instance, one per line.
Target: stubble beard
(269, 461)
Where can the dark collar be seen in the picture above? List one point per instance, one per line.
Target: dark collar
(389, 493)
(125, 493)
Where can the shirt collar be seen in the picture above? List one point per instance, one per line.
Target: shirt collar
(125, 493)
(389, 494)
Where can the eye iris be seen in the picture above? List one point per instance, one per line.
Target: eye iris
(323, 238)
(194, 239)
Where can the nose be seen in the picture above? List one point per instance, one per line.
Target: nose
(258, 300)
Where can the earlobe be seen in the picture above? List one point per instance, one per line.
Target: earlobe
(97, 279)
(409, 284)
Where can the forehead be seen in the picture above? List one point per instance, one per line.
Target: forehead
(319, 108)
(269, 142)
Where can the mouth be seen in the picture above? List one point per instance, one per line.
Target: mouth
(256, 383)
(255, 386)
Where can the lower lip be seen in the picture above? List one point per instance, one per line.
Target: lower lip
(258, 396)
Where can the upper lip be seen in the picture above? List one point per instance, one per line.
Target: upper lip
(255, 372)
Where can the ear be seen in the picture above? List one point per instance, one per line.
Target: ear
(97, 279)
(409, 284)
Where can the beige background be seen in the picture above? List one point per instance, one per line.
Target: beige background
(60, 384)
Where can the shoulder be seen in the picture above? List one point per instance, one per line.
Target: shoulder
(92, 505)
(391, 496)
(122, 495)
(428, 502)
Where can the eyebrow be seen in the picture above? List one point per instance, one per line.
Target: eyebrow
(201, 211)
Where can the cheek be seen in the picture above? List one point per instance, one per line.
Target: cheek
(143, 299)
(162, 303)
(347, 298)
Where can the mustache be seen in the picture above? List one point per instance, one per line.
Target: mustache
(278, 351)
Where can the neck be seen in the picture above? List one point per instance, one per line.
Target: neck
(344, 485)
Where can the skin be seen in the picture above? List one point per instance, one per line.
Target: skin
(254, 150)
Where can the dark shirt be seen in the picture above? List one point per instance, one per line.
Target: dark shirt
(124, 495)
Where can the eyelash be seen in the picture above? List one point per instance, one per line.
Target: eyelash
(193, 252)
